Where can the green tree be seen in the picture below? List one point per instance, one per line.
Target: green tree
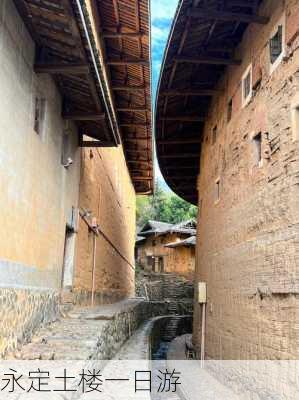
(163, 206)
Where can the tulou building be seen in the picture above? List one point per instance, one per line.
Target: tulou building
(75, 148)
(227, 135)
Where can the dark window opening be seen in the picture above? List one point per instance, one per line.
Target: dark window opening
(151, 262)
(214, 134)
(39, 115)
(247, 85)
(66, 159)
(276, 45)
(257, 142)
(217, 190)
(229, 110)
(161, 264)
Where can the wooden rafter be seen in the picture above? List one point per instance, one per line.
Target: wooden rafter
(133, 109)
(206, 60)
(223, 15)
(128, 88)
(183, 118)
(84, 117)
(128, 61)
(68, 69)
(134, 125)
(120, 35)
(142, 178)
(188, 92)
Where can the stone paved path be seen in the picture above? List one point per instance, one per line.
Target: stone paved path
(79, 335)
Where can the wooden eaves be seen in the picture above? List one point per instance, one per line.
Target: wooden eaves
(108, 97)
(200, 46)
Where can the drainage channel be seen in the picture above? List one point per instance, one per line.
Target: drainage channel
(164, 330)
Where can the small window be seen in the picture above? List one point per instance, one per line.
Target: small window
(276, 45)
(257, 143)
(295, 121)
(214, 134)
(229, 110)
(66, 159)
(154, 243)
(39, 115)
(217, 190)
(247, 86)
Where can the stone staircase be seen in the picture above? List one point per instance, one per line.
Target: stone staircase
(84, 333)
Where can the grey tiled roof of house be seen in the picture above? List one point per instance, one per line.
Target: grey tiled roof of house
(160, 228)
(191, 241)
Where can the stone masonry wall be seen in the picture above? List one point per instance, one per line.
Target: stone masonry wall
(248, 241)
(22, 311)
(167, 293)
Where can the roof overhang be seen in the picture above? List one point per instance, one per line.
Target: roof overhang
(200, 47)
(98, 52)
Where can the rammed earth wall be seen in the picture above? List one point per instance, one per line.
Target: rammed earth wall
(248, 242)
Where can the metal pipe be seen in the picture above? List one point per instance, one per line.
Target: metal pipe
(93, 269)
(117, 135)
(203, 333)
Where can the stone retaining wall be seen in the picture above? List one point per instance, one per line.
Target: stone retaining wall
(22, 311)
(165, 286)
(118, 330)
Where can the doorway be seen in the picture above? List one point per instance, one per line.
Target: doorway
(68, 259)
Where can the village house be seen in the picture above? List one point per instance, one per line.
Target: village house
(162, 247)
(75, 148)
(227, 131)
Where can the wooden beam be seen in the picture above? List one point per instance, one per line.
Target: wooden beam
(68, 69)
(128, 88)
(144, 162)
(96, 143)
(188, 92)
(223, 15)
(206, 60)
(128, 62)
(84, 117)
(133, 109)
(122, 35)
(183, 118)
(136, 150)
(142, 178)
(180, 155)
(139, 170)
(134, 140)
(134, 125)
(179, 141)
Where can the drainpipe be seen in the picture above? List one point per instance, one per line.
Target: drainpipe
(110, 113)
(93, 269)
(202, 300)
(203, 332)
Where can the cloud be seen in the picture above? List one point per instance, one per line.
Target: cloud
(162, 13)
(159, 34)
(163, 9)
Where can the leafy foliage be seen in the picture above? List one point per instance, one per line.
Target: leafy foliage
(163, 206)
